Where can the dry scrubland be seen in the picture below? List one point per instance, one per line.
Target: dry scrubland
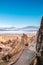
(13, 45)
(7, 37)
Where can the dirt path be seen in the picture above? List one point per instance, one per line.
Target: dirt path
(27, 55)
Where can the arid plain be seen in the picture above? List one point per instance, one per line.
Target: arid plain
(12, 46)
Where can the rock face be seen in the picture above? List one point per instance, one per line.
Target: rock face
(39, 46)
(24, 39)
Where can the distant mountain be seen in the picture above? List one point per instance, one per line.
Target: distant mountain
(27, 28)
(7, 28)
(36, 27)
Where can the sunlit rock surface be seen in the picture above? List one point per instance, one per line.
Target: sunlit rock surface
(16, 46)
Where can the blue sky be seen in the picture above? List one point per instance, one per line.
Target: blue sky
(20, 13)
